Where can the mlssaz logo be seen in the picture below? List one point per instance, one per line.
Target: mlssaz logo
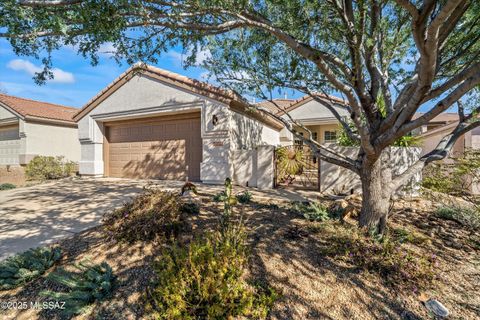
(48, 305)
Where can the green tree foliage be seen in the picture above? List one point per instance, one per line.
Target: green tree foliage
(388, 59)
(408, 140)
(27, 266)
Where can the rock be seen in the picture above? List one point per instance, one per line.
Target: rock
(437, 308)
(457, 245)
(189, 196)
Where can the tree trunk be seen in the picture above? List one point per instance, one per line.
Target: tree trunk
(375, 177)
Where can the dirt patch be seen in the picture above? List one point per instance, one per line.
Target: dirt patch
(287, 254)
(12, 174)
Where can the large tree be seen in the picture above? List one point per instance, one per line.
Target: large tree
(387, 58)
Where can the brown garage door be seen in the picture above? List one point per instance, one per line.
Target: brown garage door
(168, 147)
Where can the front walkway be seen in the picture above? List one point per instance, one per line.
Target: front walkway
(42, 214)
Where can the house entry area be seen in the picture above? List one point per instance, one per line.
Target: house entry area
(167, 147)
(296, 167)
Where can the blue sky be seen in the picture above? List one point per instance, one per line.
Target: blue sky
(76, 81)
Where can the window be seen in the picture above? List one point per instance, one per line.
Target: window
(330, 136)
(315, 136)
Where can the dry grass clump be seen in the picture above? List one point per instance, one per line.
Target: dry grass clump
(150, 215)
(387, 256)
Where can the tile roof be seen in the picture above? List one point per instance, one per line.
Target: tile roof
(274, 104)
(445, 117)
(196, 86)
(38, 109)
(202, 88)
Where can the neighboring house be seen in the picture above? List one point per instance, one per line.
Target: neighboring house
(312, 114)
(151, 123)
(431, 138)
(29, 128)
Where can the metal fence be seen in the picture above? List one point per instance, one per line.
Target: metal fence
(296, 167)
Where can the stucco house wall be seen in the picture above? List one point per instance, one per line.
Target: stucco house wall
(51, 140)
(9, 145)
(145, 96)
(21, 142)
(338, 179)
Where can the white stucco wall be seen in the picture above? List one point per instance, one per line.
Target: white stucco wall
(51, 140)
(247, 135)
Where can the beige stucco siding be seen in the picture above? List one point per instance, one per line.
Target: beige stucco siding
(314, 111)
(9, 145)
(320, 130)
(143, 96)
(247, 133)
(51, 140)
(5, 114)
(430, 141)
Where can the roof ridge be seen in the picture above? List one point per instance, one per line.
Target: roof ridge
(28, 99)
(173, 76)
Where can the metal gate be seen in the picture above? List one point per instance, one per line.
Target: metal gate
(296, 167)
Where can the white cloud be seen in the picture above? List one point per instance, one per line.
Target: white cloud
(107, 49)
(59, 76)
(179, 58)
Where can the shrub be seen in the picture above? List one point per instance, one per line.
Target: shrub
(190, 208)
(345, 140)
(27, 266)
(89, 284)
(398, 266)
(46, 168)
(244, 197)
(7, 186)
(152, 214)
(467, 217)
(220, 197)
(205, 281)
(456, 178)
(311, 211)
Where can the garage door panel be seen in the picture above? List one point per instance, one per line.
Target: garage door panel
(157, 149)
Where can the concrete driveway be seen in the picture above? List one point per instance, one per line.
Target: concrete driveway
(42, 214)
(39, 215)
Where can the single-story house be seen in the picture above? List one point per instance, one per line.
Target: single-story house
(312, 114)
(150, 123)
(29, 128)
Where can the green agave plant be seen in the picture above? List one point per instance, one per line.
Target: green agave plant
(27, 266)
(91, 282)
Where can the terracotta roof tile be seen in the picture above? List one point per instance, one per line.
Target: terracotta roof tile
(442, 117)
(274, 105)
(39, 109)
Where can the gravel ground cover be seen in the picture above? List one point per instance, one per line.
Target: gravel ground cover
(288, 254)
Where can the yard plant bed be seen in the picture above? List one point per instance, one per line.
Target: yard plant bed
(307, 262)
